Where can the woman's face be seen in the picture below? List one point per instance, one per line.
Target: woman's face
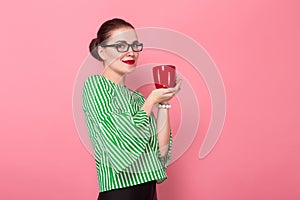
(120, 62)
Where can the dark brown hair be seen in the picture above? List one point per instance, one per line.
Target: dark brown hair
(104, 33)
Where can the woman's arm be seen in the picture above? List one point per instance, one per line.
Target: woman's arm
(163, 122)
(163, 130)
(119, 138)
(147, 106)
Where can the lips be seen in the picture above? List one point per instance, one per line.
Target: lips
(129, 62)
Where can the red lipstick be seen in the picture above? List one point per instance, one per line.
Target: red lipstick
(129, 62)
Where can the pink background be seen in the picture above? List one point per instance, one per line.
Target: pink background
(255, 45)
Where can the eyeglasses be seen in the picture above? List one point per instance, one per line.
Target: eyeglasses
(124, 47)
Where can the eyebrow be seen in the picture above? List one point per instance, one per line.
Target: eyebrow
(125, 41)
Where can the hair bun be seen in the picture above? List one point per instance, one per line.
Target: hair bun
(93, 48)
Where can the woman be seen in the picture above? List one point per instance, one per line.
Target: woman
(131, 148)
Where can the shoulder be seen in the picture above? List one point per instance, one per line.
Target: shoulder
(97, 83)
(91, 80)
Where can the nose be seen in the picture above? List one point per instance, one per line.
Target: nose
(130, 52)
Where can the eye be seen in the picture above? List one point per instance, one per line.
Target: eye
(134, 44)
(137, 45)
(121, 46)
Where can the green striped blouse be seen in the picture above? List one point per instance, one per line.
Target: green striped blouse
(123, 136)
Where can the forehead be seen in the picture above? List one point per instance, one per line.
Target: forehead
(123, 34)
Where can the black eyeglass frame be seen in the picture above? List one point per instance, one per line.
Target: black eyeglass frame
(128, 45)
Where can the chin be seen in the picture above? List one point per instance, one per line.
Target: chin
(132, 69)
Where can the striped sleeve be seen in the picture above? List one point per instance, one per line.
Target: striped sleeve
(120, 137)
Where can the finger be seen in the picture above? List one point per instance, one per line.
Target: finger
(168, 96)
(176, 80)
(178, 77)
(170, 90)
(177, 90)
(178, 84)
(164, 90)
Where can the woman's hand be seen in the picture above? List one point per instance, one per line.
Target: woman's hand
(164, 95)
(161, 95)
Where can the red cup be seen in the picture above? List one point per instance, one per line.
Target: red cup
(164, 76)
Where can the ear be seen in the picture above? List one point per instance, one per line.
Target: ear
(101, 52)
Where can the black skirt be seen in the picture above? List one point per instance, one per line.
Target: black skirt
(144, 191)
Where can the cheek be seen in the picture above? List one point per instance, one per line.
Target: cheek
(113, 56)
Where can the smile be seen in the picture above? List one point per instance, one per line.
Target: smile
(129, 62)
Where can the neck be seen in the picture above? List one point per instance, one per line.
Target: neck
(114, 76)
